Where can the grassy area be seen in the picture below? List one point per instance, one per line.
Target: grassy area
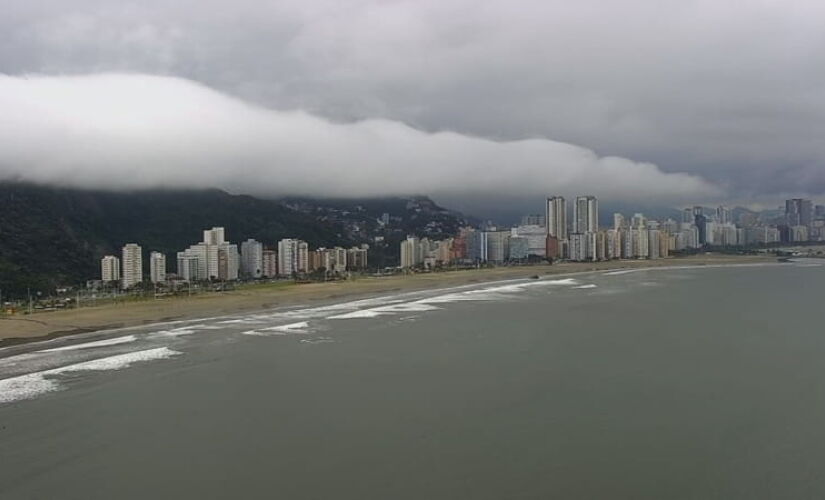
(265, 286)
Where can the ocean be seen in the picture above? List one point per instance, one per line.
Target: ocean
(678, 383)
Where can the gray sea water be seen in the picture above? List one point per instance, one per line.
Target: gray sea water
(695, 383)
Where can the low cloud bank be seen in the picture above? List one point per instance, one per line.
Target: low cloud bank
(123, 131)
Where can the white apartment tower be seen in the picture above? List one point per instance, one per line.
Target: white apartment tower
(411, 252)
(157, 267)
(270, 264)
(110, 268)
(188, 266)
(132, 261)
(252, 258)
(586, 214)
(217, 258)
(556, 217)
(293, 257)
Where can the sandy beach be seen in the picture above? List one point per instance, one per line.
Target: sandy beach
(25, 328)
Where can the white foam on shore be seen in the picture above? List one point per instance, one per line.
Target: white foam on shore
(624, 271)
(34, 384)
(580, 287)
(300, 327)
(91, 345)
(177, 332)
(364, 314)
(404, 307)
(490, 293)
(318, 340)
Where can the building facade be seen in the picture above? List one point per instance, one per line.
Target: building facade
(132, 265)
(109, 269)
(157, 267)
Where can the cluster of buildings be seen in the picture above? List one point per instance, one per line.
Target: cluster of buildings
(215, 258)
(579, 237)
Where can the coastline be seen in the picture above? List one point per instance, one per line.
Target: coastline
(46, 326)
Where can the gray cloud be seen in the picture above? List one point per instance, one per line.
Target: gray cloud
(731, 91)
(129, 130)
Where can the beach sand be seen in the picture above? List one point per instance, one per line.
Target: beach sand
(24, 328)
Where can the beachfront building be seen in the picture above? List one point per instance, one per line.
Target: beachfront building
(556, 217)
(157, 267)
(252, 259)
(217, 258)
(357, 258)
(109, 269)
(586, 214)
(411, 255)
(188, 266)
(132, 265)
(270, 263)
(293, 257)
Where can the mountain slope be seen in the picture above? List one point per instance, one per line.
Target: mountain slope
(53, 236)
(56, 236)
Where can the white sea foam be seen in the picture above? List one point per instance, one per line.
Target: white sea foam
(25, 387)
(617, 273)
(404, 307)
(366, 313)
(34, 384)
(300, 327)
(319, 340)
(91, 345)
(184, 330)
(490, 293)
(590, 285)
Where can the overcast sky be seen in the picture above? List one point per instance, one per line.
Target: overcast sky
(666, 101)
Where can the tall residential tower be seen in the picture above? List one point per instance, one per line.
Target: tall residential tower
(556, 217)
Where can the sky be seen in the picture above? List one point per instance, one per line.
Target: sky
(476, 103)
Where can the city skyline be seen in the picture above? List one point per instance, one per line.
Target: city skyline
(550, 236)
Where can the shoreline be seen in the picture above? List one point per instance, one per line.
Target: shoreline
(76, 322)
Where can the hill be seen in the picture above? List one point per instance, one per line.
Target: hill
(51, 236)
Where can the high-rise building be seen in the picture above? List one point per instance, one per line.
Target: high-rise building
(252, 259)
(799, 212)
(228, 261)
(475, 245)
(270, 263)
(536, 237)
(700, 221)
(586, 214)
(132, 265)
(217, 258)
(303, 256)
(556, 217)
(724, 215)
(357, 258)
(619, 221)
(188, 266)
(334, 260)
(411, 252)
(157, 267)
(110, 268)
(653, 243)
(293, 257)
(498, 245)
(578, 247)
(214, 236)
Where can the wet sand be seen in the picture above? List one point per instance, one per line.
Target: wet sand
(24, 328)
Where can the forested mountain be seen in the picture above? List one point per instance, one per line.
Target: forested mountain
(53, 236)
